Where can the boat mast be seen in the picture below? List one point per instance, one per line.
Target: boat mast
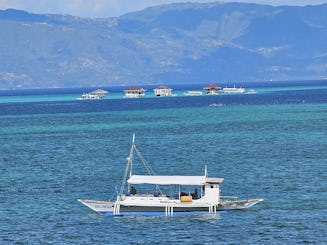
(128, 166)
(130, 157)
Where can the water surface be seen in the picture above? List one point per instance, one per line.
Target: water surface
(270, 145)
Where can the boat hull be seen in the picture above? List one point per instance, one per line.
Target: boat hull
(109, 207)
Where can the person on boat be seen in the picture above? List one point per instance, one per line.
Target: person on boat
(195, 194)
(133, 190)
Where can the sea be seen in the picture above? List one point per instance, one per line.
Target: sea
(271, 144)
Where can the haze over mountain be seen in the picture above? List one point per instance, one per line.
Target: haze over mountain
(169, 44)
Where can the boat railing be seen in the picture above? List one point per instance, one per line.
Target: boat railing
(143, 195)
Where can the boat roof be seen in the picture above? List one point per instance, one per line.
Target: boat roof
(172, 180)
(211, 86)
(214, 180)
(163, 87)
(99, 91)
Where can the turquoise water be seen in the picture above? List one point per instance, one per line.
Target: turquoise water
(270, 145)
(117, 93)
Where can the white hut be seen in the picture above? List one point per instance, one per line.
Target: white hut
(162, 91)
(134, 92)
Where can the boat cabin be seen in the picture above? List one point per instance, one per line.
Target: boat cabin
(162, 91)
(99, 92)
(212, 89)
(134, 92)
(209, 187)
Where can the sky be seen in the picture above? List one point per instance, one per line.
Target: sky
(115, 8)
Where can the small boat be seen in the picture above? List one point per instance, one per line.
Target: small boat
(89, 96)
(193, 93)
(216, 105)
(234, 90)
(131, 201)
(94, 95)
(251, 91)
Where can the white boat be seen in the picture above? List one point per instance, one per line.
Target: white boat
(163, 91)
(234, 90)
(94, 95)
(193, 93)
(251, 91)
(89, 96)
(134, 92)
(129, 202)
(216, 105)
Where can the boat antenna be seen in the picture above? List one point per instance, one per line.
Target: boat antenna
(206, 171)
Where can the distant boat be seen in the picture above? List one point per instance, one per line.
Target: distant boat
(134, 92)
(251, 91)
(94, 95)
(130, 202)
(216, 105)
(193, 93)
(163, 91)
(234, 90)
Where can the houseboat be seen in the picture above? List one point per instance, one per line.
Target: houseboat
(94, 95)
(154, 198)
(212, 89)
(134, 92)
(162, 91)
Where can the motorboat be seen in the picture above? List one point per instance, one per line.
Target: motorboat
(233, 90)
(193, 93)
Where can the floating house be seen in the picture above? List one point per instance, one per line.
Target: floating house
(162, 91)
(212, 89)
(94, 95)
(134, 92)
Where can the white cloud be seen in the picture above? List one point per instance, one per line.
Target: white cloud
(111, 8)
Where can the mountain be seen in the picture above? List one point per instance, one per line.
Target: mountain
(173, 43)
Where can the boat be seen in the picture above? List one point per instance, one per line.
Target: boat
(193, 93)
(216, 105)
(131, 201)
(94, 95)
(163, 91)
(233, 90)
(134, 92)
(251, 91)
(89, 96)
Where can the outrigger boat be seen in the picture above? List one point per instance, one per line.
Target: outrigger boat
(131, 203)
